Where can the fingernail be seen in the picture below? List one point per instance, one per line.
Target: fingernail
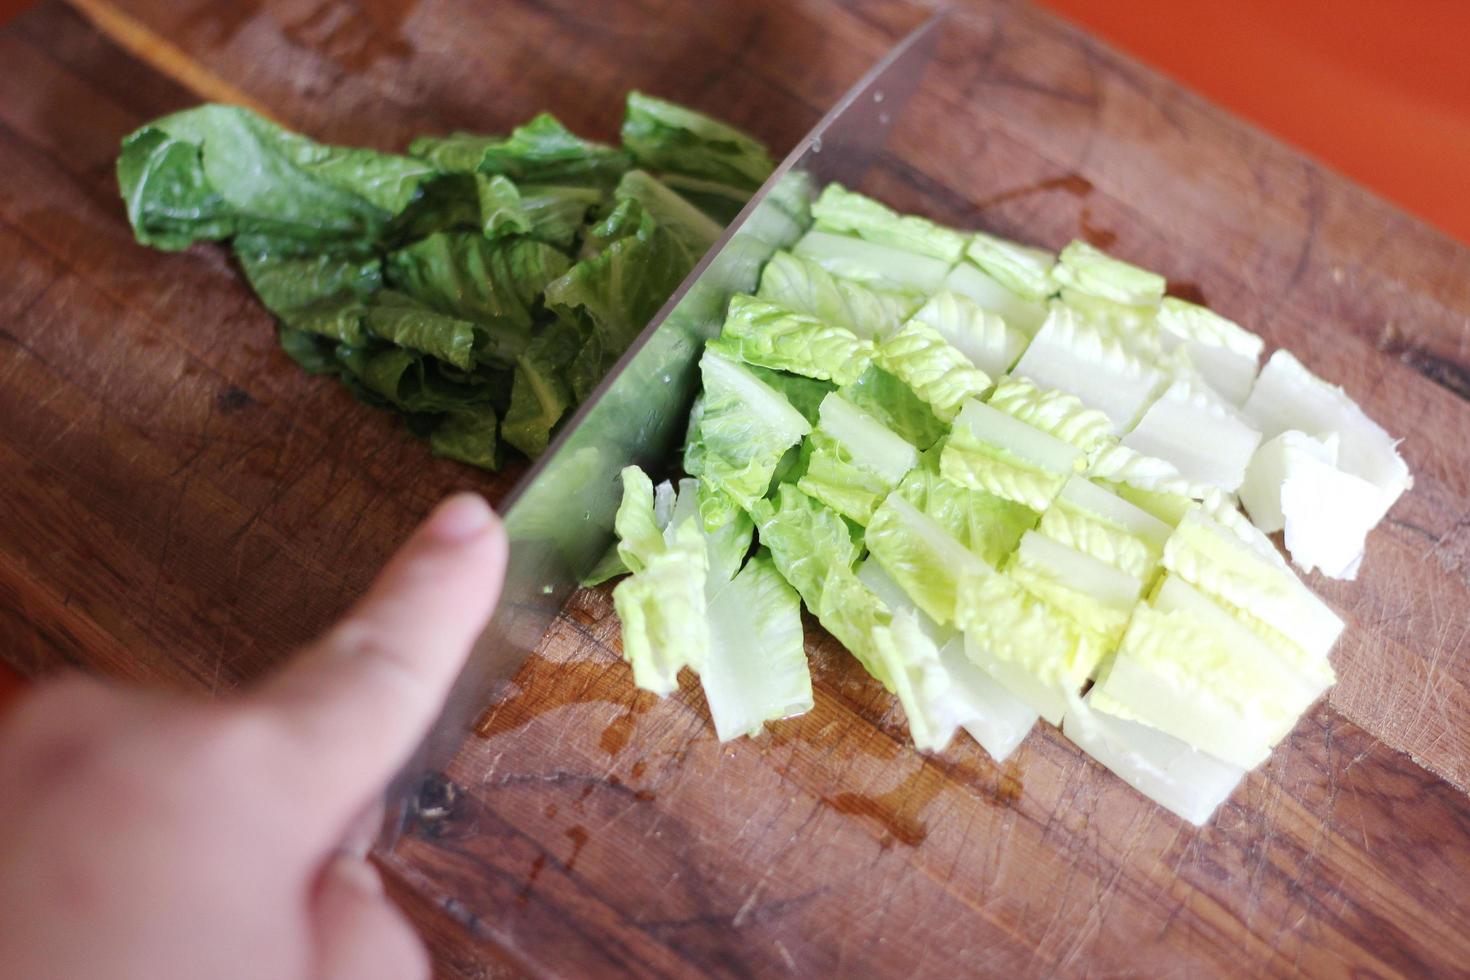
(460, 517)
(357, 873)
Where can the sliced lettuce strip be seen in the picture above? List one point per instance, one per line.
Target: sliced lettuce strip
(772, 336)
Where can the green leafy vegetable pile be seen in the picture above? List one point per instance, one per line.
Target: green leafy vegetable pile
(1005, 480)
(480, 286)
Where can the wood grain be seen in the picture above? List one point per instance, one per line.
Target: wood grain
(183, 506)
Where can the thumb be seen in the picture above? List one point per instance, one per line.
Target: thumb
(360, 935)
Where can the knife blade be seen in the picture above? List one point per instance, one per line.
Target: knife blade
(559, 517)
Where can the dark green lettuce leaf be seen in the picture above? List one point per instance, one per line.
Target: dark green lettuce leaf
(669, 138)
(447, 202)
(722, 202)
(216, 171)
(690, 228)
(543, 151)
(614, 294)
(547, 213)
(468, 435)
(541, 396)
(496, 284)
(285, 279)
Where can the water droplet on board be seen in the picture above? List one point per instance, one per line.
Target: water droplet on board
(817, 145)
(884, 119)
(878, 96)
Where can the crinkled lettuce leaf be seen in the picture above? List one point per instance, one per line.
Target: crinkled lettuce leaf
(848, 212)
(802, 285)
(663, 136)
(772, 336)
(920, 357)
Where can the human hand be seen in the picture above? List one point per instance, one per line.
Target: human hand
(151, 836)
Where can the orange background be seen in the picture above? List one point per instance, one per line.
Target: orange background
(1377, 89)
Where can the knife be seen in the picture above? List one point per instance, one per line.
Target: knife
(559, 517)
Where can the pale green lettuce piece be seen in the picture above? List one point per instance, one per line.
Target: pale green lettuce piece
(1097, 596)
(814, 550)
(893, 403)
(772, 336)
(874, 265)
(841, 210)
(854, 460)
(662, 609)
(1188, 668)
(983, 337)
(1037, 653)
(1208, 442)
(744, 428)
(1024, 313)
(726, 545)
(1023, 270)
(987, 525)
(1088, 270)
(1288, 397)
(1097, 522)
(1208, 555)
(938, 684)
(911, 660)
(1054, 412)
(1135, 327)
(1069, 354)
(989, 450)
(804, 286)
(1167, 770)
(1153, 484)
(920, 357)
(919, 554)
(1224, 353)
(755, 669)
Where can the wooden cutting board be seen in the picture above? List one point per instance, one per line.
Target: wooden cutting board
(182, 506)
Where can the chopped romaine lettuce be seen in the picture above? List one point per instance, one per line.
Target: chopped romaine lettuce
(1168, 771)
(875, 265)
(985, 338)
(772, 336)
(1223, 352)
(1054, 412)
(814, 549)
(841, 210)
(744, 428)
(920, 357)
(854, 460)
(662, 609)
(894, 403)
(989, 450)
(1099, 523)
(1036, 653)
(1023, 270)
(1207, 442)
(804, 286)
(1190, 669)
(1024, 313)
(919, 554)
(1084, 268)
(1208, 555)
(755, 668)
(1095, 595)
(1074, 356)
(989, 526)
